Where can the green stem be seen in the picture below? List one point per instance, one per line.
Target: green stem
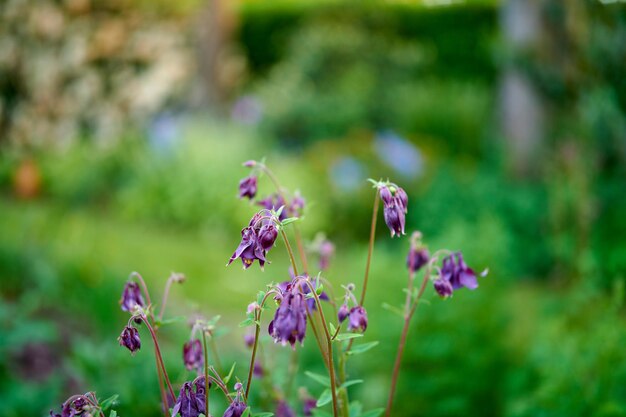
(206, 373)
(291, 258)
(370, 248)
(214, 352)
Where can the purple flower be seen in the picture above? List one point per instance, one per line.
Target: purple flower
(267, 236)
(343, 312)
(193, 354)
(249, 339)
(309, 404)
(417, 258)
(357, 319)
(455, 274)
(326, 251)
(191, 400)
(248, 187)
(76, 407)
(283, 410)
(130, 339)
(274, 202)
(131, 297)
(395, 205)
(296, 206)
(289, 324)
(235, 409)
(249, 250)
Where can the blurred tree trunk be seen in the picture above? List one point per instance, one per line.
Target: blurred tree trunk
(522, 117)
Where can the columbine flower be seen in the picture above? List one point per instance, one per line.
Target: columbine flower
(248, 187)
(357, 319)
(131, 297)
(395, 205)
(130, 339)
(256, 240)
(455, 274)
(296, 206)
(237, 407)
(193, 354)
(191, 400)
(283, 410)
(417, 258)
(274, 202)
(326, 251)
(267, 236)
(71, 408)
(289, 324)
(343, 312)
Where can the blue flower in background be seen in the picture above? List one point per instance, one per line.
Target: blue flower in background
(399, 154)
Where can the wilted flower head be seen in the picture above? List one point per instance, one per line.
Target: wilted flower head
(131, 297)
(191, 400)
(283, 410)
(289, 324)
(248, 187)
(357, 319)
(237, 407)
(130, 339)
(193, 354)
(395, 204)
(455, 274)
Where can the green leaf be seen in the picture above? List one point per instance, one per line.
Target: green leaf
(263, 415)
(247, 322)
(113, 413)
(259, 297)
(176, 319)
(324, 380)
(364, 347)
(373, 413)
(278, 212)
(346, 336)
(351, 382)
(333, 330)
(393, 309)
(246, 412)
(324, 399)
(109, 402)
(289, 220)
(230, 373)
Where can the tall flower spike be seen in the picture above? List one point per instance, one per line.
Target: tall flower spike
(248, 187)
(130, 339)
(193, 356)
(131, 297)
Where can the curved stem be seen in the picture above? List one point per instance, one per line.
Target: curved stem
(166, 404)
(166, 293)
(410, 310)
(144, 287)
(257, 330)
(158, 354)
(291, 258)
(206, 374)
(370, 247)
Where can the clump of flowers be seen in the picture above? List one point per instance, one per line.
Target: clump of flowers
(289, 323)
(257, 239)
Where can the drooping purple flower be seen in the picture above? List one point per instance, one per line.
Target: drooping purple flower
(289, 323)
(455, 274)
(237, 407)
(402, 198)
(193, 355)
(248, 187)
(130, 339)
(283, 410)
(326, 251)
(131, 297)
(73, 407)
(274, 202)
(249, 250)
(309, 404)
(357, 319)
(417, 258)
(395, 205)
(343, 312)
(191, 400)
(267, 236)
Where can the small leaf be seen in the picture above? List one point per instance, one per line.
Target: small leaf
(346, 336)
(364, 347)
(109, 402)
(393, 309)
(289, 220)
(373, 413)
(324, 380)
(324, 399)
(259, 297)
(247, 322)
(246, 412)
(113, 413)
(351, 382)
(230, 373)
(333, 330)
(278, 212)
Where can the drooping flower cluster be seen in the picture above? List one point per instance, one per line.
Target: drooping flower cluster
(357, 315)
(395, 205)
(130, 339)
(193, 355)
(256, 239)
(289, 323)
(237, 407)
(455, 274)
(191, 401)
(311, 304)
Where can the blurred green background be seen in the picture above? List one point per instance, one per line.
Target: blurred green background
(124, 123)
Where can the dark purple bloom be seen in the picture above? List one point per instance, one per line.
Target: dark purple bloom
(343, 312)
(235, 409)
(309, 404)
(71, 408)
(131, 297)
(130, 339)
(249, 250)
(417, 258)
(402, 198)
(267, 236)
(289, 324)
(193, 354)
(455, 274)
(385, 195)
(283, 410)
(326, 250)
(248, 187)
(274, 202)
(191, 400)
(395, 204)
(357, 319)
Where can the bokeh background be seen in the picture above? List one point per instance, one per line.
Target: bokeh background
(123, 125)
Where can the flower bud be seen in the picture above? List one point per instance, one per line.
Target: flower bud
(443, 288)
(131, 297)
(193, 355)
(357, 319)
(248, 187)
(385, 195)
(417, 258)
(267, 236)
(130, 339)
(343, 312)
